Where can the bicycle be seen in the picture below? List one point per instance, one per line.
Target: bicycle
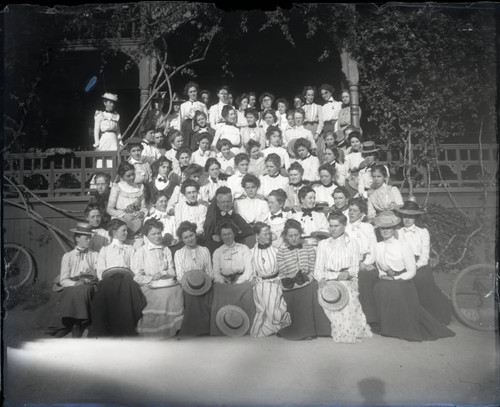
(19, 265)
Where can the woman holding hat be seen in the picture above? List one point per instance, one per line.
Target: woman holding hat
(106, 125)
(193, 268)
(337, 263)
(153, 269)
(399, 311)
(76, 284)
(271, 314)
(429, 294)
(296, 263)
(384, 197)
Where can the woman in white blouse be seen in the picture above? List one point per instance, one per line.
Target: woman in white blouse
(152, 263)
(233, 275)
(429, 294)
(228, 130)
(193, 257)
(400, 313)
(188, 109)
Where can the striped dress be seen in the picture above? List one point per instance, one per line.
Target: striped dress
(271, 314)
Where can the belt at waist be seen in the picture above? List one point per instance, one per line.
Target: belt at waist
(315, 122)
(329, 121)
(395, 273)
(270, 277)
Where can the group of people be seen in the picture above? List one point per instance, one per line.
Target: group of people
(247, 226)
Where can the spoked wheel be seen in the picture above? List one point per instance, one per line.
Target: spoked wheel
(473, 297)
(18, 265)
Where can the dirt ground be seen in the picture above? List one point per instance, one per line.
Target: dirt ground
(463, 370)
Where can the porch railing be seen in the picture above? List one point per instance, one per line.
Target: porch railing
(58, 175)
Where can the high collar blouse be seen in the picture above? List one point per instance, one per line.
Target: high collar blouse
(336, 255)
(419, 241)
(75, 263)
(115, 254)
(364, 233)
(150, 260)
(395, 255)
(228, 260)
(197, 258)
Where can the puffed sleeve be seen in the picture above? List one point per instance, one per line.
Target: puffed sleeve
(101, 263)
(217, 266)
(218, 133)
(113, 198)
(425, 238)
(65, 275)
(97, 126)
(354, 262)
(409, 262)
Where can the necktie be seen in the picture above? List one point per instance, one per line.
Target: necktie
(277, 216)
(299, 246)
(161, 179)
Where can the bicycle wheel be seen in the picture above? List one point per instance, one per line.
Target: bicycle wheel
(473, 297)
(18, 265)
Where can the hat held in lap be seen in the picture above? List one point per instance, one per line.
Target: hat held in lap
(232, 321)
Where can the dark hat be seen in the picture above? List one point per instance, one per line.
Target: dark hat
(134, 225)
(110, 96)
(196, 282)
(333, 296)
(320, 235)
(83, 229)
(133, 140)
(232, 321)
(386, 219)
(410, 208)
(369, 147)
(113, 271)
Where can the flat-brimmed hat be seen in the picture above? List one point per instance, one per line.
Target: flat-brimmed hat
(410, 208)
(369, 147)
(386, 219)
(164, 281)
(320, 235)
(196, 282)
(113, 271)
(232, 321)
(83, 229)
(333, 296)
(110, 96)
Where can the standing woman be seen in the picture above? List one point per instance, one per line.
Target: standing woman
(271, 315)
(266, 101)
(331, 108)
(429, 294)
(197, 305)
(242, 104)
(188, 110)
(107, 127)
(400, 313)
(344, 120)
(296, 263)
(233, 275)
(228, 130)
(314, 113)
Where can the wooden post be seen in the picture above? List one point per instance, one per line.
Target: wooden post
(350, 70)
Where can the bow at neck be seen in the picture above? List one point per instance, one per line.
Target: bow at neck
(411, 229)
(263, 246)
(226, 213)
(252, 126)
(299, 246)
(278, 215)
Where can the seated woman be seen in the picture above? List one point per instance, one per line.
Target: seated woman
(277, 217)
(271, 315)
(159, 213)
(143, 173)
(126, 200)
(383, 197)
(241, 162)
(273, 179)
(163, 183)
(251, 131)
(400, 313)
(225, 158)
(354, 158)
(182, 160)
(189, 209)
(252, 208)
(203, 153)
(309, 162)
(213, 182)
(100, 236)
(100, 195)
(429, 294)
(295, 173)
(77, 279)
(269, 118)
(228, 129)
(341, 201)
(118, 303)
(152, 263)
(233, 275)
(257, 164)
(274, 138)
(296, 263)
(370, 155)
(310, 219)
(193, 257)
(200, 126)
(324, 190)
(338, 260)
(242, 104)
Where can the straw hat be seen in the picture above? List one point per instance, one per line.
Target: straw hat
(196, 282)
(232, 321)
(369, 147)
(113, 271)
(386, 219)
(110, 96)
(333, 296)
(164, 281)
(410, 208)
(320, 235)
(83, 229)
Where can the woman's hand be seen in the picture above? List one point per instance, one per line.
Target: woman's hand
(343, 276)
(157, 276)
(96, 144)
(171, 212)
(216, 238)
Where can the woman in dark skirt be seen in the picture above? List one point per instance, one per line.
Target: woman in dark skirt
(296, 263)
(193, 267)
(429, 294)
(400, 313)
(233, 276)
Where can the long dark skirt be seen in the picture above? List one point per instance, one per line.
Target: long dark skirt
(431, 297)
(308, 318)
(73, 305)
(117, 307)
(402, 316)
(196, 314)
(366, 283)
(240, 295)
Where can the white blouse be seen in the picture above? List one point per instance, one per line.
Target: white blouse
(331, 110)
(298, 132)
(334, 255)
(228, 260)
(149, 260)
(116, 254)
(230, 133)
(281, 152)
(316, 222)
(395, 255)
(324, 194)
(419, 241)
(269, 184)
(189, 108)
(310, 165)
(252, 210)
(234, 183)
(186, 259)
(195, 214)
(364, 233)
